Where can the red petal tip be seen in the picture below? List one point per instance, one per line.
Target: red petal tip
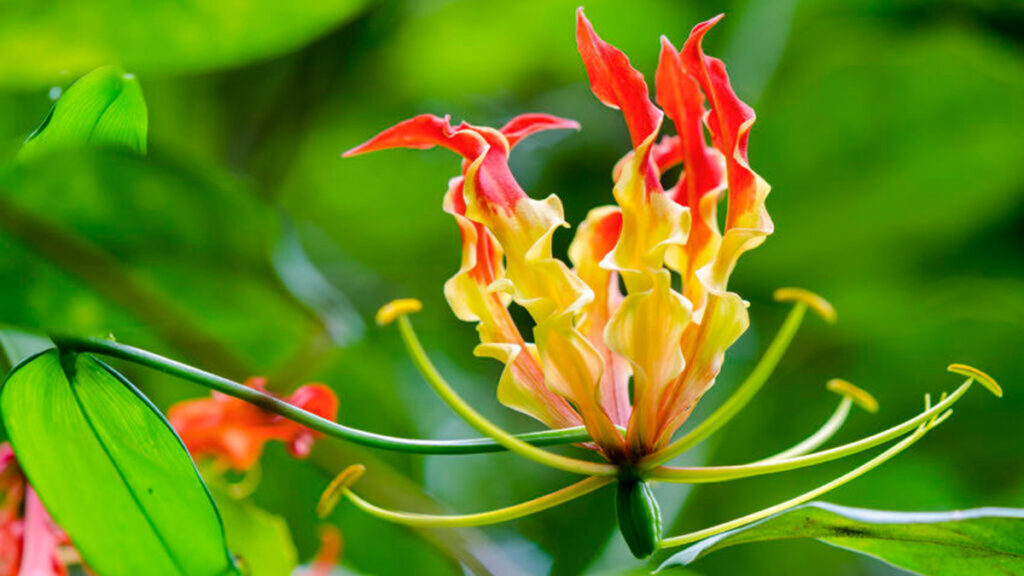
(706, 25)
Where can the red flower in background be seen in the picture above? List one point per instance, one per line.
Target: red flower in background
(30, 542)
(234, 432)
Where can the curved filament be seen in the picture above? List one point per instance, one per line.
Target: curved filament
(520, 510)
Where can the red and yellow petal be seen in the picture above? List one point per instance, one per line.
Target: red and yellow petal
(747, 221)
(616, 83)
(527, 124)
(704, 343)
(703, 177)
(646, 330)
(594, 239)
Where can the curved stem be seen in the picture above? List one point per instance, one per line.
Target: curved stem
(307, 419)
(720, 417)
(482, 424)
(822, 435)
(723, 473)
(551, 500)
(805, 497)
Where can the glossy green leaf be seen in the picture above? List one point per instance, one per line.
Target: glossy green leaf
(103, 108)
(110, 470)
(40, 42)
(979, 542)
(260, 540)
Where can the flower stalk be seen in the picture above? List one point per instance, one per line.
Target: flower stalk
(312, 421)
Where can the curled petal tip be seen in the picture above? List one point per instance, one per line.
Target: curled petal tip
(981, 377)
(390, 312)
(859, 396)
(332, 494)
(524, 125)
(808, 298)
(712, 21)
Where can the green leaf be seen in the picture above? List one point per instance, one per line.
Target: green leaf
(110, 470)
(980, 541)
(40, 42)
(103, 108)
(260, 540)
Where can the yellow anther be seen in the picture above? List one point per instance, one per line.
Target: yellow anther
(390, 312)
(859, 396)
(810, 299)
(329, 499)
(982, 378)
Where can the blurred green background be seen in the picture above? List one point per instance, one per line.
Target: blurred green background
(891, 134)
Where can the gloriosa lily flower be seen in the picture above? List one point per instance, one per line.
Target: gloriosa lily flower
(629, 367)
(31, 544)
(592, 342)
(233, 432)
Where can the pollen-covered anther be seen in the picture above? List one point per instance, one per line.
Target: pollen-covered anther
(336, 489)
(979, 376)
(391, 311)
(858, 395)
(813, 301)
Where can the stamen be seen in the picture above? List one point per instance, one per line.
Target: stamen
(401, 307)
(851, 394)
(482, 424)
(520, 510)
(982, 378)
(722, 473)
(823, 307)
(335, 490)
(740, 398)
(807, 496)
(862, 397)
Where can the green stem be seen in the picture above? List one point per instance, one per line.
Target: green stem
(311, 421)
(743, 395)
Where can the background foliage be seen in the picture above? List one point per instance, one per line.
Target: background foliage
(889, 132)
